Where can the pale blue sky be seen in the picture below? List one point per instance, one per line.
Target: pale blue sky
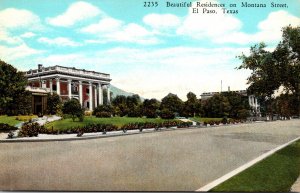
(149, 51)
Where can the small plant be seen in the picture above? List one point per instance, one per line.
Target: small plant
(10, 135)
(79, 134)
(7, 127)
(30, 130)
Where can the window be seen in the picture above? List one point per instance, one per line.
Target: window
(87, 90)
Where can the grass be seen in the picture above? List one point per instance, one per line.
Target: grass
(64, 124)
(11, 120)
(275, 173)
(205, 119)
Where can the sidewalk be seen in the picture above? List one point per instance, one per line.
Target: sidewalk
(296, 186)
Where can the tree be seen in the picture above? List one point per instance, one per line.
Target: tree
(120, 105)
(12, 91)
(73, 108)
(54, 104)
(287, 54)
(134, 105)
(150, 108)
(239, 105)
(173, 103)
(265, 75)
(192, 106)
(217, 106)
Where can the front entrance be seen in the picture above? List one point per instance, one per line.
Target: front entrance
(39, 104)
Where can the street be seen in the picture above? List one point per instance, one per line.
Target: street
(178, 160)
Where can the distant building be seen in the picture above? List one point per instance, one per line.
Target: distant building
(86, 86)
(253, 103)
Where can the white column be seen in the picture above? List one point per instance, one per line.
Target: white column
(108, 94)
(95, 89)
(51, 86)
(57, 86)
(91, 96)
(70, 88)
(80, 92)
(100, 94)
(44, 84)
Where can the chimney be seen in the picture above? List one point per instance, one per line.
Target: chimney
(228, 88)
(40, 66)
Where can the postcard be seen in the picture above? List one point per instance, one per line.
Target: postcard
(159, 95)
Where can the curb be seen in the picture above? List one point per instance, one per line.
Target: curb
(16, 140)
(89, 137)
(222, 179)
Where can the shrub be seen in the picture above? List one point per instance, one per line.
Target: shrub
(25, 118)
(73, 107)
(103, 111)
(88, 113)
(103, 114)
(7, 127)
(30, 130)
(224, 120)
(167, 114)
(10, 135)
(54, 104)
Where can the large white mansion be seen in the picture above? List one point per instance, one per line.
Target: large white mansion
(86, 86)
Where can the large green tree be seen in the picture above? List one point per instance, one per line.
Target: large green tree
(287, 55)
(150, 108)
(192, 106)
(120, 105)
(172, 103)
(13, 97)
(265, 75)
(217, 106)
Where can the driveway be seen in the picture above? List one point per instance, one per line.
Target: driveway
(182, 160)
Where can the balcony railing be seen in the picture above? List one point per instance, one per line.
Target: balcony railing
(69, 70)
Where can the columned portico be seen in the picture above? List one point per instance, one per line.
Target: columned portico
(87, 86)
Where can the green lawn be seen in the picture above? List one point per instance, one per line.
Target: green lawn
(205, 119)
(118, 121)
(11, 120)
(275, 173)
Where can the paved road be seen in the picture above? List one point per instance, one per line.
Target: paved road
(171, 160)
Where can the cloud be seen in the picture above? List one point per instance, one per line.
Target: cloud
(28, 35)
(59, 41)
(269, 30)
(201, 25)
(162, 21)
(112, 30)
(17, 52)
(12, 18)
(8, 38)
(105, 25)
(76, 12)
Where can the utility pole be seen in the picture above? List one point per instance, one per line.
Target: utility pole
(221, 86)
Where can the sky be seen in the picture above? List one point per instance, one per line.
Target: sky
(151, 51)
